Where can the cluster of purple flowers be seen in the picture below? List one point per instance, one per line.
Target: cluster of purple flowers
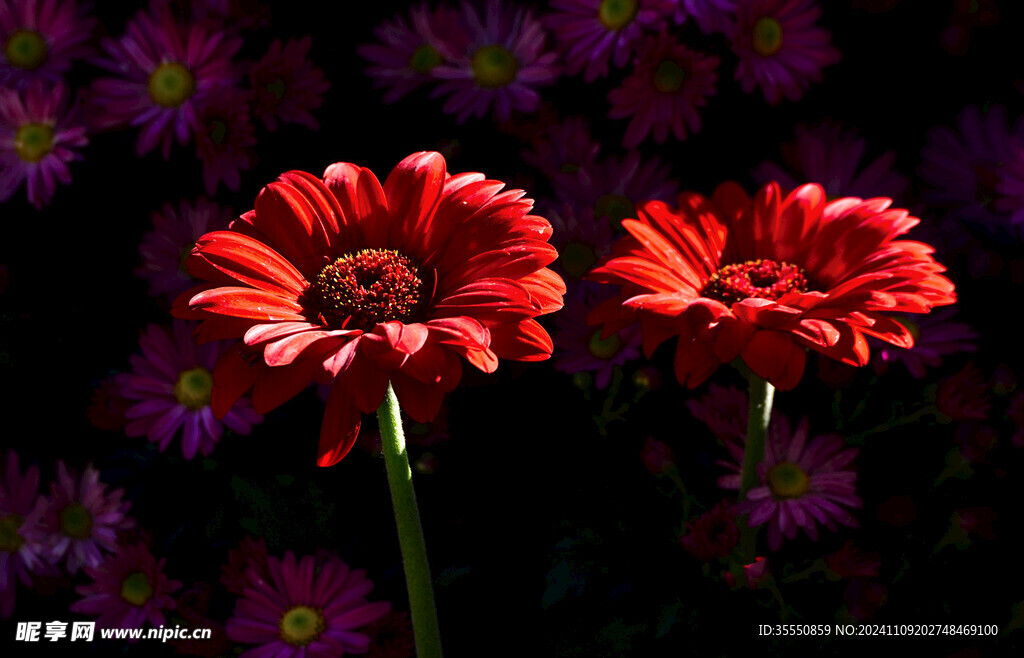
(175, 75)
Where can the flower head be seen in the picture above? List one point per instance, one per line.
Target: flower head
(288, 86)
(348, 282)
(713, 534)
(936, 335)
(612, 187)
(129, 587)
(171, 383)
(668, 84)
(780, 48)
(305, 608)
(23, 547)
(38, 138)
(762, 279)
(500, 65)
(224, 138)
(710, 15)
(84, 518)
(579, 348)
(41, 40)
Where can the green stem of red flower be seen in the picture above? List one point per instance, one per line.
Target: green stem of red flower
(410, 530)
(761, 396)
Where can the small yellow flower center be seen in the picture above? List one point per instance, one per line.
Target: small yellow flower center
(787, 480)
(604, 348)
(617, 14)
(301, 625)
(276, 88)
(217, 130)
(171, 84)
(194, 387)
(494, 66)
(136, 588)
(76, 521)
(767, 36)
(26, 50)
(10, 540)
(424, 59)
(615, 207)
(33, 141)
(669, 77)
(577, 259)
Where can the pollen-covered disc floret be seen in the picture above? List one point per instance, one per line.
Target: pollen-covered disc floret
(764, 278)
(360, 290)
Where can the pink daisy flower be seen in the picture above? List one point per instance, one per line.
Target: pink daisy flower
(41, 40)
(803, 484)
(224, 138)
(38, 138)
(23, 547)
(84, 518)
(408, 52)
(163, 67)
(710, 15)
(590, 33)
(935, 336)
(171, 383)
(287, 85)
(175, 231)
(780, 48)
(129, 588)
(563, 149)
(613, 187)
(580, 348)
(668, 84)
(832, 156)
(305, 608)
(713, 534)
(965, 395)
(502, 62)
(250, 554)
(580, 238)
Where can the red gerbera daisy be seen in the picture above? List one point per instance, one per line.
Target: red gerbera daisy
(347, 282)
(761, 279)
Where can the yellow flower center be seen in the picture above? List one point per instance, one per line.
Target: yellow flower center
(787, 480)
(604, 348)
(767, 36)
(577, 259)
(26, 50)
(194, 387)
(494, 66)
(33, 141)
(76, 521)
(424, 59)
(136, 588)
(171, 84)
(669, 77)
(617, 14)
(615, 207)
(301, 625)
(10, 540)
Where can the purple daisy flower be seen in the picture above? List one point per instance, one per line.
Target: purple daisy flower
(781, 50)
(287, 85)
(502, 62)
(408, 52)
(724, 411)
(580, 238)
(163, 67)
(612, 187)
(171, 383)
(590, 33)
(667, 85)
(38, 137)
(710, 15)
(803, 484)
(175, 231)
(832, 155)
(41, 39)
(84, 518)
(23, 547)
(305, 608)
(224, 138)
(129, 587)
(564, 148)
(1010, 185)
(935, 336)
(580, 348)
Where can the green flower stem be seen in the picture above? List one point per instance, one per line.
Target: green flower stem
(410, 531)
(761, 395)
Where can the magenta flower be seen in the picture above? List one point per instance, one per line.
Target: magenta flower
(408, 52)
(613, 187)
(1010, 185)
(162, 68)
(668, 84)
(84, 518)
(38, 138)
(724, 410)
(851, 562)
(249, 554)
(590, 33)
(302, 611)
(713, 534)
(781, 50)
(287, 85)
(41, 40)
(831, 155)
(129, 588)
(803, 484)
(563, 149)
(710, 15)
(500, 66)
(175, 231)
(171, 383)
(935, 336)
(580, 348)
(580, 238)
(224, 138)
(965, 395)
(23, 547)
